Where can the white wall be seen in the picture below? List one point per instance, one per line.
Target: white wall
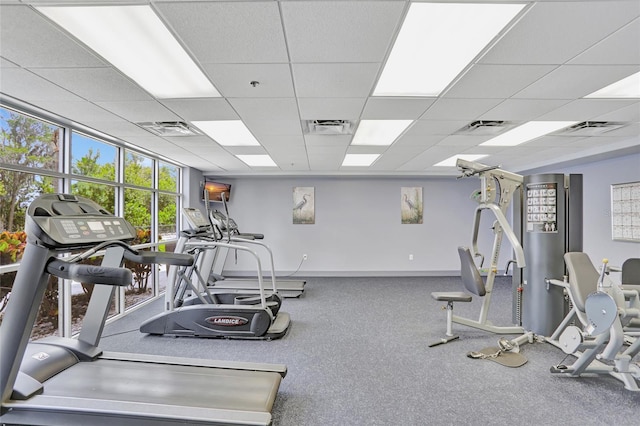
(357, 229)
(598, 178)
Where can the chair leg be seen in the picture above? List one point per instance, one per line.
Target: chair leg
(449, 336)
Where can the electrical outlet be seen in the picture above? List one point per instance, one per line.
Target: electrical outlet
(304, 257)
(410, 257)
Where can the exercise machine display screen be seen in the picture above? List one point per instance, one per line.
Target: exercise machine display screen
(65, 220)
(83, 230)
(195, 218)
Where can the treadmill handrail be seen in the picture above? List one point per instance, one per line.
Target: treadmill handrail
(91, 274)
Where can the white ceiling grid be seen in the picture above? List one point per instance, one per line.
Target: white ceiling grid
(320, 60)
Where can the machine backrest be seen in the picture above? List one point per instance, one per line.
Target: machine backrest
(583, 277)
(469, 273)
(631, 272)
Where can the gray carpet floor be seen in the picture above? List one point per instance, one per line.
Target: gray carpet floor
(357, 354)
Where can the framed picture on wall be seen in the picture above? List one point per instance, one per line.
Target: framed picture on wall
(304, 210)
(625, 211)
(411, 207)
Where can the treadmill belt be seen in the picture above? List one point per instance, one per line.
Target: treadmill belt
(179, 385)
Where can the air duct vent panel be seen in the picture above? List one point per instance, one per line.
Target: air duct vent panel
(484, 127)
(169, 128)
(327, 127)
(591, 128)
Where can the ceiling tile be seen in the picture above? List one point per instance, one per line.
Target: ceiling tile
(122, 130)
(200, 109)
(615, 49)
(586, 109)
(463, 140)
(262, 127)
(554, 32)
(228, 32)
(435, 127)
(348, 31)
(113, 85)
(327, 141)
(4, 63)
(522, 109)
(139, 111)
(469, 109)
(575, 81)
(628, 113)
(378, 108)
(429, 157)
(282, 142)
(235, 80)
(78, 111)
(496, 81)
(251, 109)
(24, 85)
(334, 80)
(31, 40)
(330, 108)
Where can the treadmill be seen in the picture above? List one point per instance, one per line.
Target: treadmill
(62, 381)
(229, 228)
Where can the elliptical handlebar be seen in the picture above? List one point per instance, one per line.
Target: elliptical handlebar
(152, 257)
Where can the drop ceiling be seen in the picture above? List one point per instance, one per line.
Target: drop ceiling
(320, 60)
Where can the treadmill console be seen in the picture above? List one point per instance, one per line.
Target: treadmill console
(196, 219)
(69, 221)
(221, 221)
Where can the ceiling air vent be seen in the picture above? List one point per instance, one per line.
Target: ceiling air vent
(327, 127)
(591, 128)
(169, 128)
(484, 127)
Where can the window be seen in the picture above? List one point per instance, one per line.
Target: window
(32, 161)
(168, 177)
(28, 142)
(103, 194)
(92, 158)
(138, 170)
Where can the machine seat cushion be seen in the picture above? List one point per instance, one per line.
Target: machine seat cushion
(451, 296)
(583, 277)
(631, 272)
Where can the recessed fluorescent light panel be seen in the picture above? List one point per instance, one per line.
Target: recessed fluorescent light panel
(379, 132)
(134, 40)
(527, 132)
(227, 132)
(259, 160)
(436, 42)
(451, 161)
(359, 160)
(626, 88)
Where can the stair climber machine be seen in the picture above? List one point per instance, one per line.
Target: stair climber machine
(229, 228)
(62, 381)
(194, 309)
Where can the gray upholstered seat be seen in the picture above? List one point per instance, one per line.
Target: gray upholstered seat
(472, 282)
(451, 296)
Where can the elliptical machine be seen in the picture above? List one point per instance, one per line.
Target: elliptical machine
(214, 313)
(231, 233)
